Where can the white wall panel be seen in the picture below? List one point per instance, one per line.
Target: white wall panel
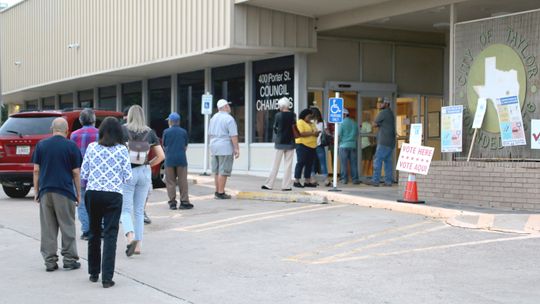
(112, 35)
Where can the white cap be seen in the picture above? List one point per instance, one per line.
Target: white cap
(345, 111)
(221, 103)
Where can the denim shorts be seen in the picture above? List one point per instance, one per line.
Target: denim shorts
(222, 164)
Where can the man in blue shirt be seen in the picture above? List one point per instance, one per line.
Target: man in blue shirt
(175, 142)
(57, 162)
(348, 136)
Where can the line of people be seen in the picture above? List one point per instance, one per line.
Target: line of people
(309, 136)
(105, 174)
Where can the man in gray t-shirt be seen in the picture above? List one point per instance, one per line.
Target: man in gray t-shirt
(386, 141)
(223, 134)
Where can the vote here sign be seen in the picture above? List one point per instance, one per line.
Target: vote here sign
(415, 159)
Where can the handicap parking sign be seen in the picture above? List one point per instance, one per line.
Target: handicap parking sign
(206, 108)
(335, 110)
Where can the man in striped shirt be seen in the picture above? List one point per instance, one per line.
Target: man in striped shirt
(82, 138)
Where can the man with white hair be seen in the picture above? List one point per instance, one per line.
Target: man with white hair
(57, 161)
(82, 138)
(284, 145)
(223, 134)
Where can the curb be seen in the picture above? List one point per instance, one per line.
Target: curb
(511, 223)
(279, 197)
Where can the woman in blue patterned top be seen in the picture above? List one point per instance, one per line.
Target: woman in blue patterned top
(106, 167)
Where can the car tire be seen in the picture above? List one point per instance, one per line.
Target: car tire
(158, 181)
(16, 192)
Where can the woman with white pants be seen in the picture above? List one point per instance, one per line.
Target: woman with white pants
(284, 145)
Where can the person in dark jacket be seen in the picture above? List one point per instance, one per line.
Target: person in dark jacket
(284, 145)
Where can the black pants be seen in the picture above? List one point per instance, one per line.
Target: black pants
(304, 160)
(103, 207)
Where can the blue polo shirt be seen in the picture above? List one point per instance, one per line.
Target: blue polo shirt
(175, 141)
(57, 156)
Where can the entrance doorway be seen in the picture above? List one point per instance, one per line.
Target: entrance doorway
(361, 101)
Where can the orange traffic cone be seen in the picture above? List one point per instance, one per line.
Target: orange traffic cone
(411, 191)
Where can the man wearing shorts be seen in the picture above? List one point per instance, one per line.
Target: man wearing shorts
(223, 134)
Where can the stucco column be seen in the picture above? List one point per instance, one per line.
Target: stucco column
(145, 95)
(96, 98)
(119, 97)
(174, 92)
(300, 82)
(75, 99)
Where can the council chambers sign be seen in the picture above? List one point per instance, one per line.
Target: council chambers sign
(498, 58)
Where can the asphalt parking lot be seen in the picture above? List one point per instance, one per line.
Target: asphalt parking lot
(242, 251)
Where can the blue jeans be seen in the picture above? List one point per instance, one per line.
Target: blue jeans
(383, 154)
(134, 197)
(82, 214)
(347, 155)
(321, 156)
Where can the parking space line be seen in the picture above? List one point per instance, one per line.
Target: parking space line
(225, 223)
(415, 250)
(377, 244)
(358, 240)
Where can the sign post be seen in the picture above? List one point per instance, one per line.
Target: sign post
(335, 116)
(206, 110)
(478, 120)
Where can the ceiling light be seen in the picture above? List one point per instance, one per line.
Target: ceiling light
(381, 21)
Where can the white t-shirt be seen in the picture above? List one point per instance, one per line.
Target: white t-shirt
(222, 127)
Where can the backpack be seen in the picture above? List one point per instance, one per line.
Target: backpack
(138, 149)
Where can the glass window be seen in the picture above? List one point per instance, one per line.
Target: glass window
(27, 125)
(66, 101)
(273, 79)
(190, 91)
(131, 94)
(107, 98)
(48, 103)
(229, 83)
(86, 99)
(31, 105)
(159, 99)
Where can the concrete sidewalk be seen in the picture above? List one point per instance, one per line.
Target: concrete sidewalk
(248, 187)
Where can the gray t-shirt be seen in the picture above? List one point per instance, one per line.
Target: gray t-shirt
(222, 127)
(387, 128)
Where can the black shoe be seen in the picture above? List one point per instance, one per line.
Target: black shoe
(94, 278)
(147, 219)
(185, 205)
(107, 284)
(387, 185)
(85, 236)
(288, 189)
(298, 185)
(310, 185)
(51, 268)
(172, 205)
(72, 265)
(356, 182)
(372, 183)
(130, 248)
(265, 188)
(328, 184)
(222, 196)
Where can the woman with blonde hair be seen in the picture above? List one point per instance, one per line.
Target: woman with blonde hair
(141, 140)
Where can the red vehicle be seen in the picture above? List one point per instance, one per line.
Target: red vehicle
(18, 138)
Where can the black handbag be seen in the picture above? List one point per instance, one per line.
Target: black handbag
(324, 137)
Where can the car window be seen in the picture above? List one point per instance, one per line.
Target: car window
(27, 125)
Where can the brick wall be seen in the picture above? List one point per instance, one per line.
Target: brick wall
(502, 185)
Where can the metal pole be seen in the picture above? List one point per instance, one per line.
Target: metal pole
(334, 169)
(205, 161)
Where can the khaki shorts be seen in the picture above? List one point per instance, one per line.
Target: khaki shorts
(222, 164)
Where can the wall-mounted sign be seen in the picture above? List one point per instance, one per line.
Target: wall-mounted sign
(270, 87)
(452, 129)
(415, 159)
(535, 134)
(510, 122)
